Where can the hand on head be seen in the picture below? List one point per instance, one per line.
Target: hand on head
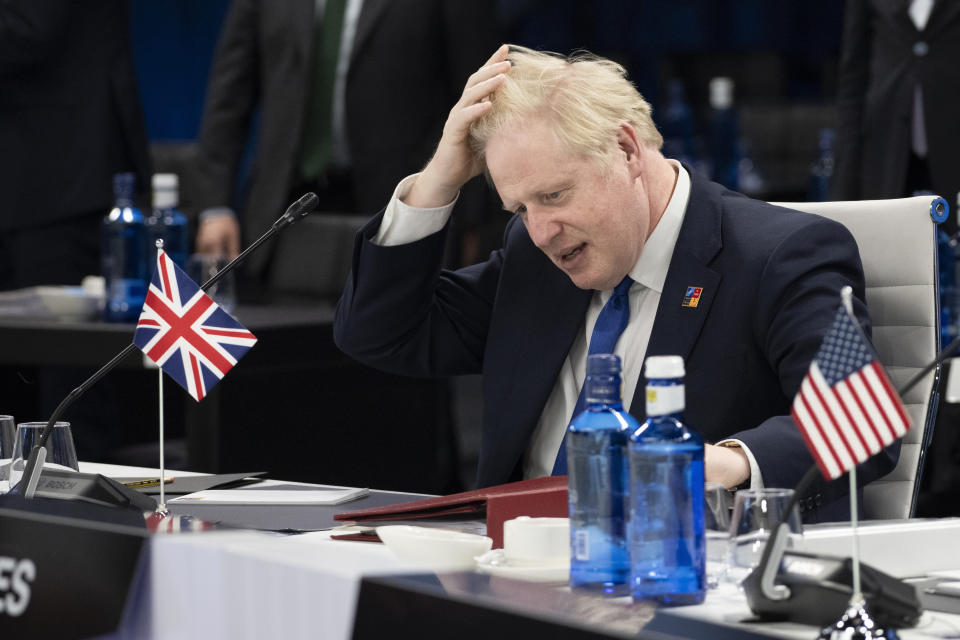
(454, 163)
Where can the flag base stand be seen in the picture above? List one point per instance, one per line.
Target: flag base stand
(818, 589)
(857, 624)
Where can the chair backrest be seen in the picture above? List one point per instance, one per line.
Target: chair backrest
(313, 258)
(897, 239)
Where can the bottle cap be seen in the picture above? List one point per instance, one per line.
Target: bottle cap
(602, 363)
(165, 190)
(721, 92)
(664, 367)
(124, 186)
(165, 181)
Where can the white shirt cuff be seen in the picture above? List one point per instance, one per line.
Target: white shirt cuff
(756, 478)
(403, 224)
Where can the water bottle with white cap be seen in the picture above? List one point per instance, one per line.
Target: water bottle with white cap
(666, 494)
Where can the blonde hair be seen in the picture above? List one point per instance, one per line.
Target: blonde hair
(586, 97)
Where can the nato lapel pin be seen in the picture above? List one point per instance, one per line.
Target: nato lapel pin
(691, 298)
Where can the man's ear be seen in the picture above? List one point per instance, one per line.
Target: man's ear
(629, 144)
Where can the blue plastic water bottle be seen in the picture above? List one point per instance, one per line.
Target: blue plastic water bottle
(166, 222)
(724, 132)
(821, 172)
(666, 504)
(125, 265)
(677, 125)
(596, 460)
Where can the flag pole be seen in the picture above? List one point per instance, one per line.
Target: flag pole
(162, 505)
(846, 296)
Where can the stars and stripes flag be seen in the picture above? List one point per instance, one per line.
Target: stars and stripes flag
(186, 333)
(846, 408)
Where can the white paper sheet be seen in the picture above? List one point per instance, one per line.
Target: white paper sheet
(330, 496)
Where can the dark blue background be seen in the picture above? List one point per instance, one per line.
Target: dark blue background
(776, 50)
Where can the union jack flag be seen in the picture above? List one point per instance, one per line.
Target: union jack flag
(186, 333)
(846, 408)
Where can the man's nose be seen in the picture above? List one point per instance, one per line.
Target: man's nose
(542, 229)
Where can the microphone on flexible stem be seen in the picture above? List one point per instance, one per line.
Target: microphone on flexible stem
(31, 473)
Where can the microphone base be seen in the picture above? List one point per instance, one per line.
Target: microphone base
(91, 488)
(821, 589)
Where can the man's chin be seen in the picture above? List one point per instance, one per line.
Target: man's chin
(583, 281)
(592, 282)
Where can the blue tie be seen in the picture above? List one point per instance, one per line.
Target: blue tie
(610, 324)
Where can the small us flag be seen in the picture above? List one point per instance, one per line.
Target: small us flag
(846, 408)
(186, 333)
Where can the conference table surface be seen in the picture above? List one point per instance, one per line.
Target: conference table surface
(243, 583)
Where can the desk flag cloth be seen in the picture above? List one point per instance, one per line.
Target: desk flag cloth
(846, 408)
(186, 333)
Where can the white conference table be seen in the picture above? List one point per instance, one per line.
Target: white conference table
(254, 584)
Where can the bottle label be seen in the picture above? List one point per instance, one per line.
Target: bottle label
(581, 544)
(662, 401)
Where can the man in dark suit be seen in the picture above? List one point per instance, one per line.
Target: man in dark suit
(897, 99)
(70, 118)
(386, 119)
(572, 151)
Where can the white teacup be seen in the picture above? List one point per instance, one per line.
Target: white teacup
(536, 541)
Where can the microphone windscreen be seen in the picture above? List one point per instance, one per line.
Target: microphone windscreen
(305, 205)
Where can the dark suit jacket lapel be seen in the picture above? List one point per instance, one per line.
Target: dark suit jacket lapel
(550, 312)
(370, 13)
(302, 19)
(676, 327)
(944, 12)
(896, 11)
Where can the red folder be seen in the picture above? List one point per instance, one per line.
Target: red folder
(538, 497)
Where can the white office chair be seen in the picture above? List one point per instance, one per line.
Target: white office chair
(898, 246)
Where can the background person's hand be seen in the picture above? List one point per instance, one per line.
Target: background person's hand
(219, 235)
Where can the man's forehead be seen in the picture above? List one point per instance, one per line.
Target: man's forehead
(529, 157)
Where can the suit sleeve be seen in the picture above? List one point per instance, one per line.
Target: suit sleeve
(851, 97)
(798, 300)
(231, 98)
(402, 313)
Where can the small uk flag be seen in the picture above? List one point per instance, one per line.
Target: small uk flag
(186, 333)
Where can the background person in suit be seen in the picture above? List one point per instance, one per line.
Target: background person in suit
(386, 113)
(897, 99)
(70, 118)
(572, 151)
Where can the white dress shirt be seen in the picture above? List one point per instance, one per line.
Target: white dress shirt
(403, 224)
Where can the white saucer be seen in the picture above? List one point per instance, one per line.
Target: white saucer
(494, 563)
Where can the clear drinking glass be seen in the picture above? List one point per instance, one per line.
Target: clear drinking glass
(8, 431)
(60, 450)
(756, 512)
(717, 524)
(203, 266)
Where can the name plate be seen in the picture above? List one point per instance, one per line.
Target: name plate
(62, 575)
